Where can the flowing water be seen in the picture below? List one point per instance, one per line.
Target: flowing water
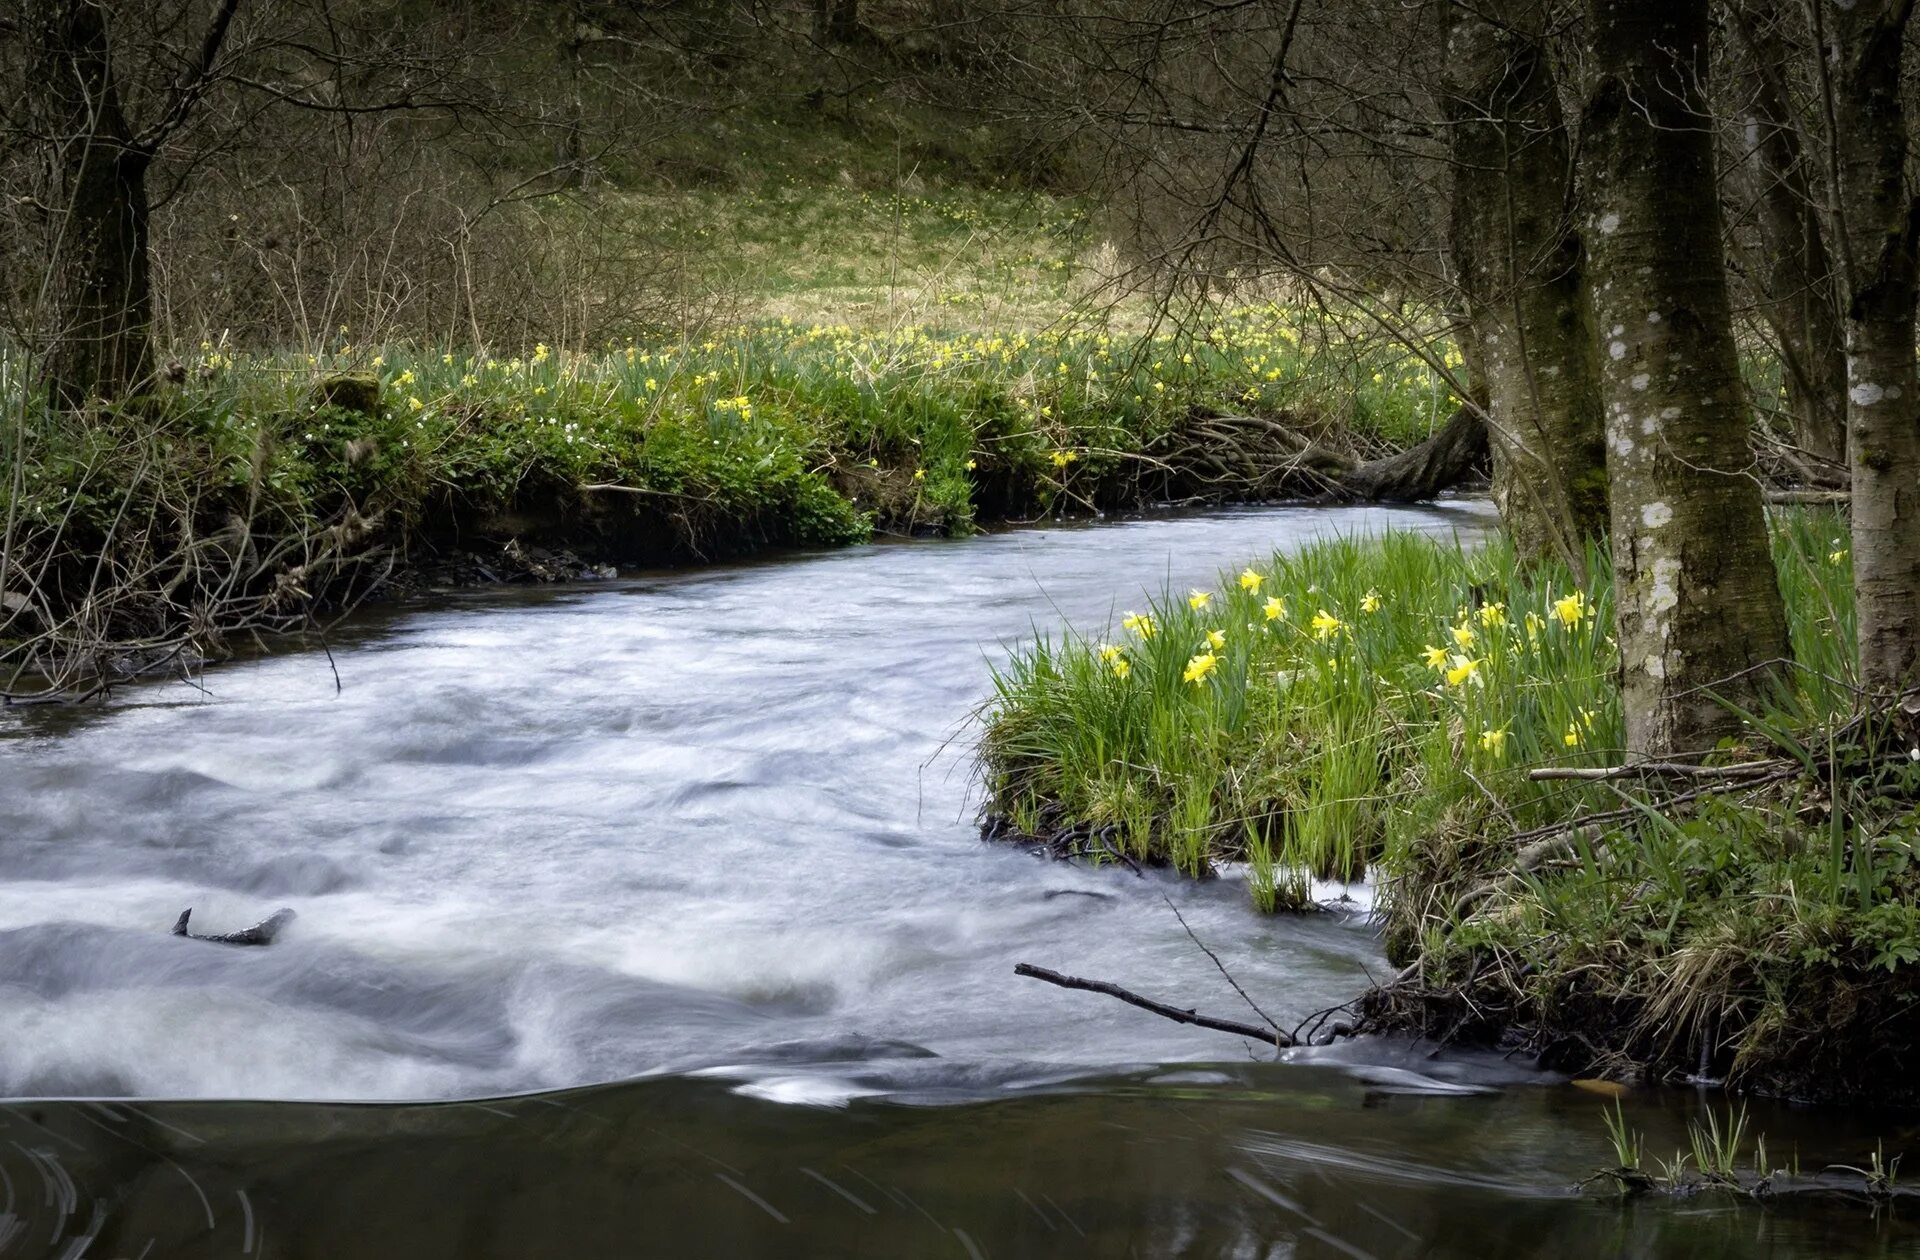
(711, 834)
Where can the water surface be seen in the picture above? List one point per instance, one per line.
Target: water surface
(669, 892)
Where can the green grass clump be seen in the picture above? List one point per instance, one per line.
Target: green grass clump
(1317, 709)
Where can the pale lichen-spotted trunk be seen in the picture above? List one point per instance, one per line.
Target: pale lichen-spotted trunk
(1878, 219)
(1697, 605)
(1521, 271)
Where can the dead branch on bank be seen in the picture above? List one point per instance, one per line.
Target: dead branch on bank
(1265, 457)
(1270, 1036)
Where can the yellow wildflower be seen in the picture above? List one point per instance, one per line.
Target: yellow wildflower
(1493, 615)
(1250, 581)
(1572, 738)
(919, 474)
(1835, 557)
(1216, 640)
(1275, 608)
(1462, 671)
(414, 403)
(1121, 666)
(1197, 599)
(1370, 602)
(1463, 635)
(1436, 657)
(1199, 667)
(972, 464)
(1494, 741)
(652, 385)
(1139, 623)
(1062, 458)
(1570, 609)
(1325, 624)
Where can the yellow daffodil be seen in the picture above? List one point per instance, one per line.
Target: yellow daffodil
(1493, 741)
(1250, 581)
(1216, 639)
(1370, 602)
(1436, 657)
(1836, 557)
(1462, 671)
(1325, 624)
(972, 464)
(1139, 623)
(1493, 615)
(652, 385)
(1121, 667)
(1570, 609)
(1463, 635)
(1275, 608)
(1199, 667)
(1572, 738)
(1197, 600)
(919, 474)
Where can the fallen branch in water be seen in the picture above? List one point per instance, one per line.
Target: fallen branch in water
(261, 933)
(1270, 1036)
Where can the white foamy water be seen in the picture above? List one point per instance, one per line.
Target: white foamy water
(678, 822)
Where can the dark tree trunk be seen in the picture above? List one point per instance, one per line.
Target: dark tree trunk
(1789, 266)
(99, 342)
(1878, 219)
(1696, 599)
(1521, 269)
(836, 21)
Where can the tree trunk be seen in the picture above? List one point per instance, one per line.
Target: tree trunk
(99, 344)
(1521, 269)
(1454, 452)
(836, 21)
(1697, 602)
(1790, 267)
(1878, 218)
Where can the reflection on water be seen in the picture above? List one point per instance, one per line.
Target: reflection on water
(1233, 1161)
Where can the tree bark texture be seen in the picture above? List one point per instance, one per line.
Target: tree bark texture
(1878, 219)
(99, 343)
(1790, 266)
(1521, 269)
(1697, 603)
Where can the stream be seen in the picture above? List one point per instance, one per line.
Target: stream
(651, 918)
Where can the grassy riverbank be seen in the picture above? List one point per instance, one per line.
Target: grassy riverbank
(251, 485)
(1381, 703)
